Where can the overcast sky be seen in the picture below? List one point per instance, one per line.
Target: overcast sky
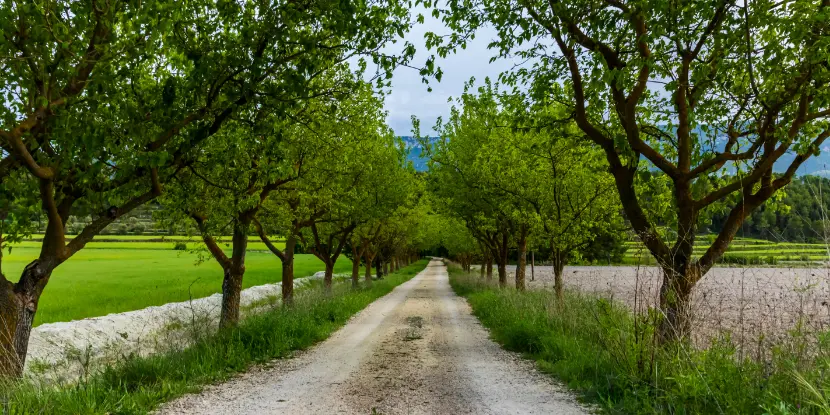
(409, 96)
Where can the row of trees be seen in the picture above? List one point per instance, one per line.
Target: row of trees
(517, 185)
(710, 93)
(220, 110)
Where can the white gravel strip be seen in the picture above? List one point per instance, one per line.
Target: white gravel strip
(66, 350)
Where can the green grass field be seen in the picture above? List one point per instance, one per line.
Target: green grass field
(112, 277)
(760, 251)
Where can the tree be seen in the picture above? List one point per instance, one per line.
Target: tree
(106, 101)
(692, 91)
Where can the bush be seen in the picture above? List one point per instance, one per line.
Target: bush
(180, 246)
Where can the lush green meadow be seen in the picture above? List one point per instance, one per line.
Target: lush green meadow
(744, 251)
(112, 277)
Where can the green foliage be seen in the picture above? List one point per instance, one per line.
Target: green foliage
(180, 246)
(598, 348)
(138, 384)
(799, 216)
(497, 171)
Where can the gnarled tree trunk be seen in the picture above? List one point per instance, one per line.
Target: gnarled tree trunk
(18, 307)
(11, 364)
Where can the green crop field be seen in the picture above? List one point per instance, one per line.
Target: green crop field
(745, 251)
(112, 277)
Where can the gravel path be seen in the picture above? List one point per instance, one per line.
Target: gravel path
(417, 350)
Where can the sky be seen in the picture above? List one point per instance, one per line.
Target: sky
(410, 96)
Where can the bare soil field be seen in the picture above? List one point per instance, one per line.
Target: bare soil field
(757, 306)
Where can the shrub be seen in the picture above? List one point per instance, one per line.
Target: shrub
(180, 246)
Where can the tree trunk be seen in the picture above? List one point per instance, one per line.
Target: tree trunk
(379, 268)
(675, 301)
(368, 275)
(234, 272)
(288, 271)
(521, 263)
(532, 266)
(22, 307)
(355, 268)
(328, 277)
(11, 365)
(558, 260)
(489, 267)
(481, 269)
(502, 267)
(231, 294)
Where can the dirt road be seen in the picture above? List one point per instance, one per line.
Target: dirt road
(417, 350)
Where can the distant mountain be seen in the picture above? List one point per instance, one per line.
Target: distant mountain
(819, 166)
(413, 154)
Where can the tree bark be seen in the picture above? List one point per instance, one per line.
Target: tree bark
(22, 310)
(355, 268)
(532, 266)
(502, 268)
(558, 260)
(489, 267)
(234, 272)
(521, 263)
(231, 294)
(368, 264)
(10, 364)
(675, 301)
(328, 277)
(481, 269)
(288, 271)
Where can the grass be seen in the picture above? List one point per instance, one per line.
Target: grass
(139, 385)
(96, 282)
(610, 357)
(759, 251)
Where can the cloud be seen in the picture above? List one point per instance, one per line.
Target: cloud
(410, 96)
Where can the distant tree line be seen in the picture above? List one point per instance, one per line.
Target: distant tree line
(799, 216)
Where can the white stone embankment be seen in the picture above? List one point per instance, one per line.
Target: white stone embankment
(67, 350)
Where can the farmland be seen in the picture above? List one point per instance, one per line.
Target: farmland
(112, 277)
(744, 251)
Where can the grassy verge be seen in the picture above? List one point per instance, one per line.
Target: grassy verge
(138, 384)
(97, 282)
(609, 356)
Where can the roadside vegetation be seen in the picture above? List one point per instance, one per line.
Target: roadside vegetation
(137, 385)
(610, 356)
